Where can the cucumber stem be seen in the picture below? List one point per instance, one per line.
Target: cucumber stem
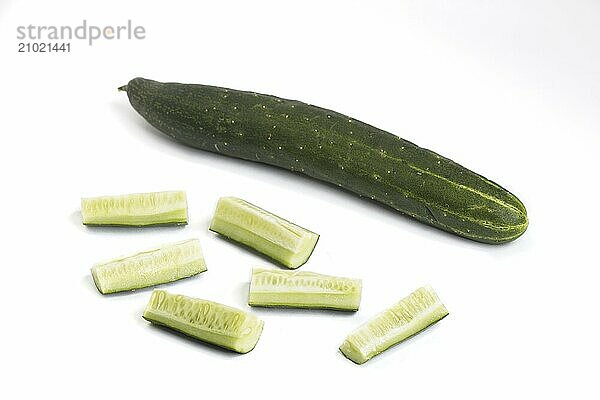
(122, 88)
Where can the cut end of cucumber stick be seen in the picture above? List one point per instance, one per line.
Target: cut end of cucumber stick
(404, 319)
(148, 268)
(137, 209)
(275, 237)
(204, 320)
(303, 289)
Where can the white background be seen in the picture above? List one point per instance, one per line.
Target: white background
(510, 89)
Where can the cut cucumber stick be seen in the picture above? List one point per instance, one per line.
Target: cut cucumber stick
(404, 319)
(153, 267)
(138, 209)
(296, 289)
(287, 243)
(204, 320)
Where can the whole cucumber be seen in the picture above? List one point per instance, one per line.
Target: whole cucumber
(334, 148)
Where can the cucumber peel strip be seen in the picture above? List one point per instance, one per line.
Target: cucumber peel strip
(148, 268)
(275, 237)
(205, 320)
(303, 289)
(404, 319)
(137, 209)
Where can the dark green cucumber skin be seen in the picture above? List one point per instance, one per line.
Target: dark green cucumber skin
(334, 148)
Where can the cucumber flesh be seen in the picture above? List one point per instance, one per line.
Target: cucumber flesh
(138, 209)
(404, 319)
(148, 268)
(284, 242)
(303, 289)
(204, 320)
